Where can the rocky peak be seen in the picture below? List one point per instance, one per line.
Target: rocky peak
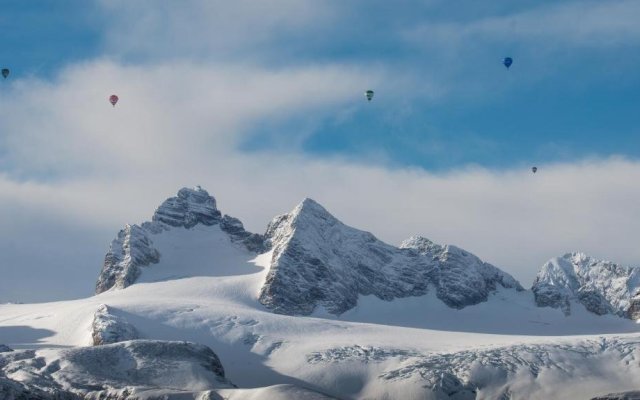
(602, 287)
(133, 247)
(319, 261)
(189, 208)
(423, 245)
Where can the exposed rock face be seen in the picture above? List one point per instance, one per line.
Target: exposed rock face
(634, 308)
(13, 390)
(235, 229)
(319, 261)
(108, 328)
(114, 371)
(601, 286)
(635, 395)
(4, 348)
(129, 251)
(461, 278)
(189, 208)
(133, 247)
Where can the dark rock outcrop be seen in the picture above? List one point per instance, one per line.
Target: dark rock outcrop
(189, 208)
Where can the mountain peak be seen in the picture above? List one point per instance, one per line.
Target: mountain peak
(311, 208)
(602, 287)
(423, 245)
(190, 207)
(133, 247)
(319, 261)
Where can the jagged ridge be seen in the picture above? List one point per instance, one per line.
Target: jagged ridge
(319, 261)
(602, 287)
(133, 247)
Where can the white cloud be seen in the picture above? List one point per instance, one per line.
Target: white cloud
(134, 156)
(588, 23)
(74, 165)
(208, 29)
(168, 115)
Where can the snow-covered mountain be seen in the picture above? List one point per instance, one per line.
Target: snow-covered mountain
(316, 259)
(133, 247)
(319, 261)
(192, 306)
(602, 287)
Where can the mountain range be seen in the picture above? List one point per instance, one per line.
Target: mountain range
(313, 308)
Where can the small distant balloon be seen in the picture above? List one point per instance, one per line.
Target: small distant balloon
(113, 99)
(369, 94)
(507, 62)
(5, 72)
(534, 169)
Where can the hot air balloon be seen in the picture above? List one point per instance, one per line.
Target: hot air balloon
(113, 99)
(369, 94)
(534, 169)
(507, 62)
(5, 72)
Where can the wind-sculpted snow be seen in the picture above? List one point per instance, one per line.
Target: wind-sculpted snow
(516, 372)
(135, 370)
(123, 369)
(108, 328)
(319, 261)
(133, 248)
(602, 287)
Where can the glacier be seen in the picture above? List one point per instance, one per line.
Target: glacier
(190, 305)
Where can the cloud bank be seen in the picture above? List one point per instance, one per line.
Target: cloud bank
(74, 170)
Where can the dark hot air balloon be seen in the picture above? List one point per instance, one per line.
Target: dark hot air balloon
(369, 94)
(5, 72)
(113, 99)
(534, 169)
(507, 62)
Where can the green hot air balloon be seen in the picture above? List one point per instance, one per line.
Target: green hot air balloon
(5, 72)
(369, 94)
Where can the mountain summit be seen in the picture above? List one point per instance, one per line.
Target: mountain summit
(602, 287)
(189, 208)
(319, 261)
(134, 248)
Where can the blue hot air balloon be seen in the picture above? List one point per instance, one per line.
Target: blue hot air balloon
(369, 94)
(507, 62)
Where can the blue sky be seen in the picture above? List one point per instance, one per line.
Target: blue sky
(566, 88)
(263, 104)
(40, 37)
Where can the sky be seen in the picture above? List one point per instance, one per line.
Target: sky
(263, 105)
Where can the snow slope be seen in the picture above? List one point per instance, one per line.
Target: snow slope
(258, 348)
(206, 288)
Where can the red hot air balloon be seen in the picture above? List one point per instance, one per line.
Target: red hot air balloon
(113, 99)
